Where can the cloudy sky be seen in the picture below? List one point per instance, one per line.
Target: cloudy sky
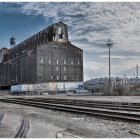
(90, 26)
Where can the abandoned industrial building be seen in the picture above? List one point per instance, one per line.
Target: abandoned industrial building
(47, 56)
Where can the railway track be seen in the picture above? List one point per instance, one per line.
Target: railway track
(23, 129)
(92, 104)
(107, 103)
(123, 112)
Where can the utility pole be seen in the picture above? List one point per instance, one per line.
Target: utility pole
(137, 71)
(109, 44)
(124, 75)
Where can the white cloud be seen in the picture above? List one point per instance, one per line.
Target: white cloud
(91, 24)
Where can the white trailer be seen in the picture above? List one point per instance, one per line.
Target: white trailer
(51, 88)
(20, 88)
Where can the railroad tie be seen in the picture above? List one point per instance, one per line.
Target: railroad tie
(135, 133)
(63, 134)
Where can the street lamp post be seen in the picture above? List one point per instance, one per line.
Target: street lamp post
(109, 44)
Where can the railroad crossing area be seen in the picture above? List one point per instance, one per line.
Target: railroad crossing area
(62, 116)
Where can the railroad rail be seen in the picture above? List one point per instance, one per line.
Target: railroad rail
(23, 129)
(1, 117)
(120, 104)
(123, 112)
(91, 104)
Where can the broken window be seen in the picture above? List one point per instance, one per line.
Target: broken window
(53, 36)
(60, 33)
(60, 36)
(62, 30)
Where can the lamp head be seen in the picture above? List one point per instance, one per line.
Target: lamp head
(109, 42)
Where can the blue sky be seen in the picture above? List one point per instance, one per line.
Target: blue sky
(90, 26)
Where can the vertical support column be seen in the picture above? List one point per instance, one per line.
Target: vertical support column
(109, 72)
(137, 72)
(109, 44)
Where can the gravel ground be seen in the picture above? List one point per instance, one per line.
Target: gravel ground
(9, 126)
(50, 124)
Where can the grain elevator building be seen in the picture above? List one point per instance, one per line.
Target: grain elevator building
(47, 56)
